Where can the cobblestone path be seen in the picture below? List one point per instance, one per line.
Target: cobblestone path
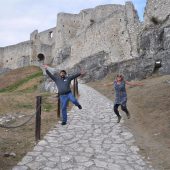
(92, 140)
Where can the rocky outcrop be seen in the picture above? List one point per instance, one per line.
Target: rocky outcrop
(154, 40)
(95, 65)
(156, 12)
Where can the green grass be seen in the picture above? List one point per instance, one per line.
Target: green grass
(13, 87)
(30, 89)
(47, 107)
(24, 105)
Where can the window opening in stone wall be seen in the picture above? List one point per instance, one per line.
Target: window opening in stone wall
(91, 21)
(63, 25)
(41, 57)
(69, 31)
(161, 36)
(51, 34)
(158, 65)
(155, 20)
(11, 58)
(6, 60)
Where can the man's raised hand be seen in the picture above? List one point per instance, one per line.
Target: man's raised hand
(45, 66)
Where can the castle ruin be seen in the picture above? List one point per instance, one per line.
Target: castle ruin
(102, 39)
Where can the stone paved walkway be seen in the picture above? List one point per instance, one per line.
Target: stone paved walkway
(92, 140)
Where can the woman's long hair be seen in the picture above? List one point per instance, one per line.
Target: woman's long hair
(119, 75)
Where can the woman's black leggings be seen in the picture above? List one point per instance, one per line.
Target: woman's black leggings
(124, 108)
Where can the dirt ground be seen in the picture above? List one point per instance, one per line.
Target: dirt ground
(149, 106)
(21, 103)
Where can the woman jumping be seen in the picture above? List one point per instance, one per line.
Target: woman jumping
(121, 95)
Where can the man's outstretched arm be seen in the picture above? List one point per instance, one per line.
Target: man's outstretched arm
(82, 73)
(48, 73)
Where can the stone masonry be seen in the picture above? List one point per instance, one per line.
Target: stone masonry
(109, 35)
(109, 28)
(92, 140)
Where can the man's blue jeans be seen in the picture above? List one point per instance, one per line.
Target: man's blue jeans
(64, 101)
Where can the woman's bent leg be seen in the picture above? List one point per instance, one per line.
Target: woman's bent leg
(124, 108)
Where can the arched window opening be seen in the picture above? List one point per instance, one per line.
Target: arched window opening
(41, 57)
(51, 34)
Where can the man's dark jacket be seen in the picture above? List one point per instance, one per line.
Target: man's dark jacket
(63, 84)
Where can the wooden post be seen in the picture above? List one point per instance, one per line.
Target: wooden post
(74, 88)
(38, 118)
(58, 108)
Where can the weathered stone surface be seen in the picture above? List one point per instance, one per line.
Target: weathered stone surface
(20, 168)
(156, 12)
(108, 38)
(154, 46)
(76, 37)
(62, 55)
(4, 70)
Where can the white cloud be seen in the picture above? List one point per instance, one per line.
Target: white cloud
(20, 17)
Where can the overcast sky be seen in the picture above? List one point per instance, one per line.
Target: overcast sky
(18, 18)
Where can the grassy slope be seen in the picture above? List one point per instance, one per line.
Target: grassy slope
(150, 109)
(18, 90)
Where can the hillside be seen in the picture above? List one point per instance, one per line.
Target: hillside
(149, 107)
(18, 91)
(150, 117)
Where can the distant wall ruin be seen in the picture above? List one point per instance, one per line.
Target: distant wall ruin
(109, 35)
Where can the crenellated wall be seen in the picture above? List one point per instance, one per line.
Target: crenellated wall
(48, 36)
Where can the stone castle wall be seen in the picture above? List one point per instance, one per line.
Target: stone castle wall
(1, 57)
(102, 39)
(27, 53)
(45, 37)
(18, 55)
(109, 28)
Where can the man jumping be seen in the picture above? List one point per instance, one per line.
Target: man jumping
(63, 84)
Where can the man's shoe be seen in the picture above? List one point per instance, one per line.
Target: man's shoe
(119, 118)
(79, 106)
(63, 123)
(128, 115)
